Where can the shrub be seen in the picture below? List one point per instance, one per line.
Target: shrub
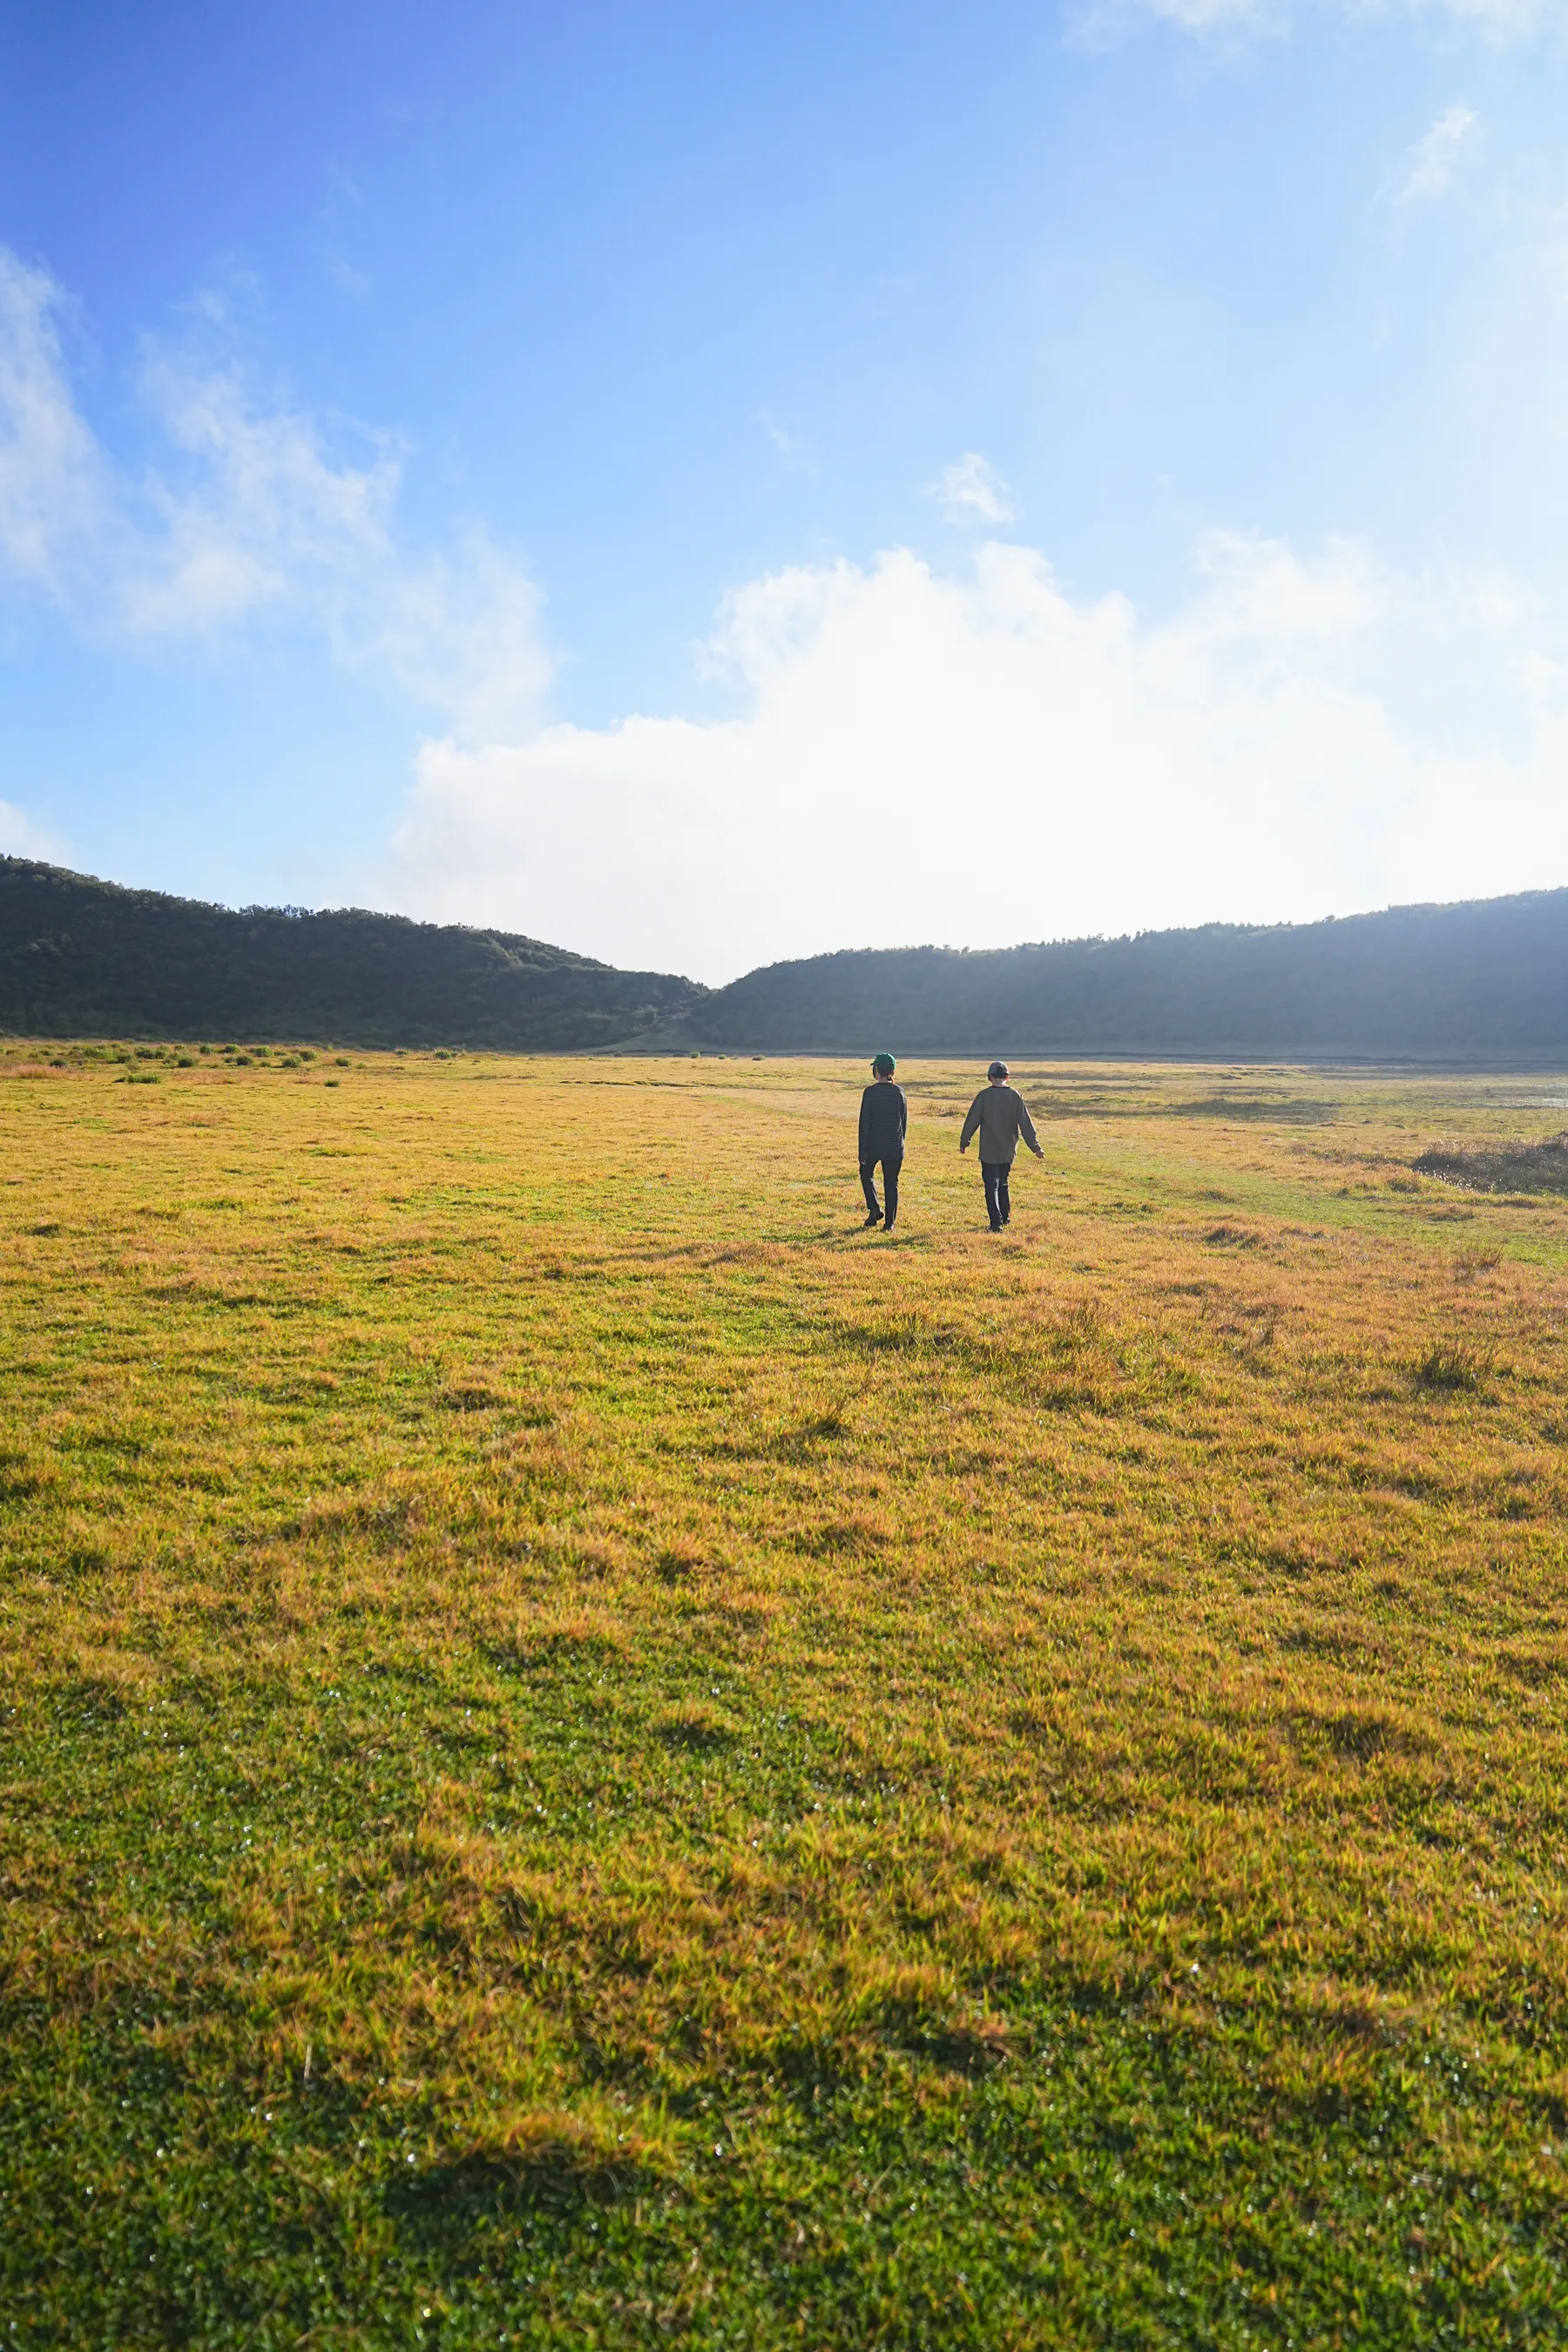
(1518, 1167)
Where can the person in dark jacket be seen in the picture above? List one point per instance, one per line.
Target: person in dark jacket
(884, 1116)
(999, 1115)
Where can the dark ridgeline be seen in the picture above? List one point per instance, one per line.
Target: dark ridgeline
(1485, 980)
(81, 958)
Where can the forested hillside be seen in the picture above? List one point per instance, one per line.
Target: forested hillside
(84, 958)
(1484, 980)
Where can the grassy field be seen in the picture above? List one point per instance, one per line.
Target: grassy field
(590, 1756)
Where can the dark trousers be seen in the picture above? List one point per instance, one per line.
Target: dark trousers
(998, 1207)
(890, 1167)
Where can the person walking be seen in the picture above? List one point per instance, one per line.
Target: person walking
(884, 1118)
(998, 1115)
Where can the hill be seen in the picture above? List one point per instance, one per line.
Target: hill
(1483, 980)
(79, 956)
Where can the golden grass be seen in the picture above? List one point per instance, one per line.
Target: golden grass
(527, 1632)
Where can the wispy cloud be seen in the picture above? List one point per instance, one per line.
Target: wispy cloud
(790, 448)
(1427, 171)
(1103, 17)
(55, 495)
(251, 511)
(972, 490)
(1228, 21)
(254, 515)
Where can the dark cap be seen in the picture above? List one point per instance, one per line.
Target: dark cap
(997, 1070)
(883, 1066)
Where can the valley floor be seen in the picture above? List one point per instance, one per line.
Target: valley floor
(592, 1756)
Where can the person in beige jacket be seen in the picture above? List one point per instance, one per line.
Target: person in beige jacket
(999, 1115)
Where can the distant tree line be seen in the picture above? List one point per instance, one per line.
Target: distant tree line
(1484, 981)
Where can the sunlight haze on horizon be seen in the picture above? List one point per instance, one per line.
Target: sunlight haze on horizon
(702, 486)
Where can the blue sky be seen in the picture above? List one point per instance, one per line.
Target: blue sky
(705, 483)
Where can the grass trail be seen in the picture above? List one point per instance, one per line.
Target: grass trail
(592, 1756)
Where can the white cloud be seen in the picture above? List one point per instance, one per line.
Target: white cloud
(1428, 169)
(21, 837)
(250, 517)
(972, 490)
(986, 760)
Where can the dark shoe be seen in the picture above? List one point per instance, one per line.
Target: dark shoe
(888, 1226)
(996, 1225)
(871, 1221)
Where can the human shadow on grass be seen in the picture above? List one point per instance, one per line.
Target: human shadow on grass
(450, 2207)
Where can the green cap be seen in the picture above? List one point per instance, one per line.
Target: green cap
(883, 1066)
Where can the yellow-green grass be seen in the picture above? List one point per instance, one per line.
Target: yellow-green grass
(592, 1755)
